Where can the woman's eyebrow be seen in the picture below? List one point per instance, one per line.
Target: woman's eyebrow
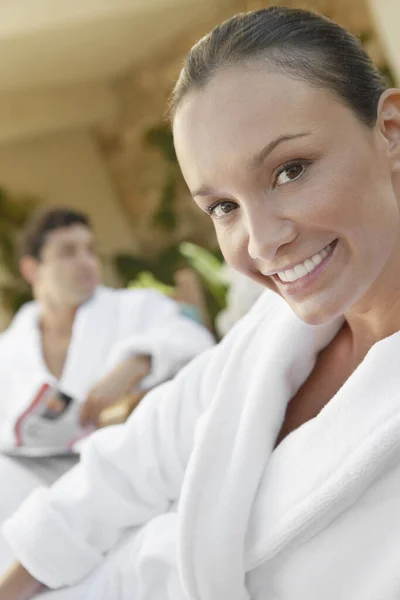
(203, 191)
(259, 157)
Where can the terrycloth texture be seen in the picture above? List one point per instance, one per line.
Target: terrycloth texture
(220, 514)
(111, 326)
(11, 496)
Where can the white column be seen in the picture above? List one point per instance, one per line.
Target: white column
(386, 16)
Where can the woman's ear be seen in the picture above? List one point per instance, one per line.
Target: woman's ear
(388, 123)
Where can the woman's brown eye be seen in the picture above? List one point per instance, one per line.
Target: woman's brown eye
(226, 206)
(222, 208)
(289, 173)
(294, 171)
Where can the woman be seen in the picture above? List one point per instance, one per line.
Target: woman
(269, 469)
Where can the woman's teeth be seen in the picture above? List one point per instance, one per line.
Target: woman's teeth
(305, 267)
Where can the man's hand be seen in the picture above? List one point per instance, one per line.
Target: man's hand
(113, 387)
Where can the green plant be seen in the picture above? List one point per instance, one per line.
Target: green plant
(160, 138)
(145, 279)
(14, 212)
(209, 268)
(162, 266)
(159, 271)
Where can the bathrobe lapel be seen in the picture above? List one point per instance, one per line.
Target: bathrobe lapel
(92, 338)
(243, 494)
(234, 443)
(324, 466)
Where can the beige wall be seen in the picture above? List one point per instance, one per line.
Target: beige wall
(140, 171)
(386, 14)
(66, 169)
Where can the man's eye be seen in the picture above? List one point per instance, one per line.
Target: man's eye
(289, 172)
(220, 209)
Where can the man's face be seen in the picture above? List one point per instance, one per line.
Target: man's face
(69, 268)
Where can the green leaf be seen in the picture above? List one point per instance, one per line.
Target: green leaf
(209, 268)
(145, 279)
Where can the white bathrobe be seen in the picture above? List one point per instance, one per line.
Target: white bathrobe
(216, 512)
(112, 325)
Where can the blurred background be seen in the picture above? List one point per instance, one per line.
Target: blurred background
(83, 92)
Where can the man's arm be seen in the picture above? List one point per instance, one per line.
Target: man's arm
(117, 384)
(164, 342)
(169, 338)
(18, 584)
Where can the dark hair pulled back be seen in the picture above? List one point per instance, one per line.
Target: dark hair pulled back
(299, 43)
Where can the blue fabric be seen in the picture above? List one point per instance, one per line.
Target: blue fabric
(191, 312)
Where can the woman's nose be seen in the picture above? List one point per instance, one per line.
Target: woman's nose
(267, 235)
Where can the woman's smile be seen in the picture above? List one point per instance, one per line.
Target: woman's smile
(300, 278)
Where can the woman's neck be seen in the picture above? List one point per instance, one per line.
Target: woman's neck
(377, 315)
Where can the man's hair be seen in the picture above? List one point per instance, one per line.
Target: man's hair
(34, 234)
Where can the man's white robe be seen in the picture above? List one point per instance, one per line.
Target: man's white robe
(109, 327)
(112, 325)
(190, 500)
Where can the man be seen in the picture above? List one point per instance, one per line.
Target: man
(91, 344)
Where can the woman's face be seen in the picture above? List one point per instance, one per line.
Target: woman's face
(300, 192)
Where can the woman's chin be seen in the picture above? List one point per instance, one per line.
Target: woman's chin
(317, 314)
